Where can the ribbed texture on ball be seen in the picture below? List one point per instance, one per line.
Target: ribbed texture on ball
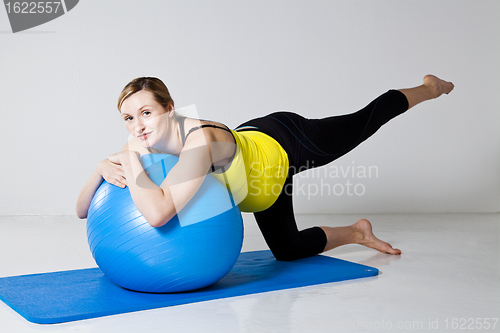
(193, 250)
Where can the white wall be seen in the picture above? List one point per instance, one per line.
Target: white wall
(235, 60)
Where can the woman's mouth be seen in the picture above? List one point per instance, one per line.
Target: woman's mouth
(144, 136)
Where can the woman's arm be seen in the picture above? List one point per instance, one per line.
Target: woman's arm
(106, 170)
(87, 193)
(158, 204)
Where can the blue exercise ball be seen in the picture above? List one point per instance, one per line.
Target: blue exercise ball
(193, 250)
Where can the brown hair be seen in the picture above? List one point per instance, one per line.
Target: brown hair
(152, 84)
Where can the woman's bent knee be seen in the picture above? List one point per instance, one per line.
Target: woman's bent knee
(290, 254)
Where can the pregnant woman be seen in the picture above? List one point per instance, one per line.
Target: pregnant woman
(256, 161)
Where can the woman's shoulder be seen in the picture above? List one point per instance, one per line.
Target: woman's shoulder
(193, 122)
(223, 151)
(213, 130)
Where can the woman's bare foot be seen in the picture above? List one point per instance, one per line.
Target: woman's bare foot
(436, 86)
(358, 233)
(433, 87)
(366, 237)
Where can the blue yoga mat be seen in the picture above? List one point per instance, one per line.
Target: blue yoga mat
(58, 297)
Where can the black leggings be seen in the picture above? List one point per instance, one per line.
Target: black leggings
(312, 143)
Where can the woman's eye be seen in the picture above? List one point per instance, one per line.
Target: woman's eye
(146, 113)
(127, 118)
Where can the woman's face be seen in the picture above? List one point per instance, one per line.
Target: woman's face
(145, 118)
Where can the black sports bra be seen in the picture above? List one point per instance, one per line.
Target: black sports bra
(181, 126)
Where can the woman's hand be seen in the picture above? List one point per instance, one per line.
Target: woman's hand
(112, 173)
(111, 168)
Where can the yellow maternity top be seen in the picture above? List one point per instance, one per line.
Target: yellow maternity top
(257, 172)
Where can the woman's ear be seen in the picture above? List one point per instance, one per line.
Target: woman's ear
(170, 106)
(171, 114)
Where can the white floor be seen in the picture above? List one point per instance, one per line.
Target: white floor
(447, 277)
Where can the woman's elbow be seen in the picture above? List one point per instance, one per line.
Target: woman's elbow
(81, 214)
(156, 223)
(160, 219)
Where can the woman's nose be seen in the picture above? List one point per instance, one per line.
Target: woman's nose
(139, 126)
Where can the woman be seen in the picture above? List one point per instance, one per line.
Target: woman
(256, 161)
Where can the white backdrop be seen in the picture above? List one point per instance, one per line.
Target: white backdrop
(235, 60)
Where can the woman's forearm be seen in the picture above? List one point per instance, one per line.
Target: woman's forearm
(151, 200)
(87, 193)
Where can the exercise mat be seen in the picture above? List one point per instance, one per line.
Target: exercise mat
(59, 297)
